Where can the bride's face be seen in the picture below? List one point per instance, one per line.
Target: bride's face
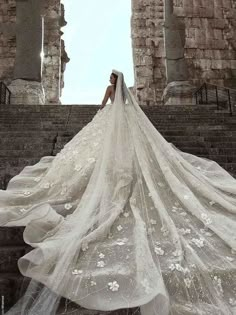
(112, 79)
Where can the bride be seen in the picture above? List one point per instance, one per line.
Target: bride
(120, 218)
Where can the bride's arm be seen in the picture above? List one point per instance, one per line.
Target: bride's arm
(106, 97)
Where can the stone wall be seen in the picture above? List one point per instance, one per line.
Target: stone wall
(148, 49)
(210, 46)
(55, 56)
(7, 39)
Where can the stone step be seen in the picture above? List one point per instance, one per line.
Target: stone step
(206, 144)
(197, 132)
(200, 138)
(64, 133)
(9, 255)
(22, 142)
(11, 236)
(220, 158)
(38, 109)
(9, 162)
(71, 126)
(12, 287)
(176, 138)
(32, 134)
(178, 143)
(206, 150)
(26, 153)
(27, 146)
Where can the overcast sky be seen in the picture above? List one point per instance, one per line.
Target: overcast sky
(98, 39)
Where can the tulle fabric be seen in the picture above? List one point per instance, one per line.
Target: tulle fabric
(120, 218)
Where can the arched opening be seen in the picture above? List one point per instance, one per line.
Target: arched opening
(97, 39)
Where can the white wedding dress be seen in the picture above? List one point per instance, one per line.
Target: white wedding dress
(120, 218)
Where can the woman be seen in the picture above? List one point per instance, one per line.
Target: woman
(120, 218)
(110, 91)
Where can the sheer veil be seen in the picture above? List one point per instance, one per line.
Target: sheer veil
(126, 220)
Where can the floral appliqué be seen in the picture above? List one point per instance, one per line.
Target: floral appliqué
(113, 286)
(77, 272)
(101, 264)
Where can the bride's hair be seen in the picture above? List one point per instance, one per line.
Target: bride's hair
(116, 77)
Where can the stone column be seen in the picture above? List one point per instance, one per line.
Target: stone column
(178, 90)
(27, 87)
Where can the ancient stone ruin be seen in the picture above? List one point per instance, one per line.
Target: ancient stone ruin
(32, 52)
(179, 44)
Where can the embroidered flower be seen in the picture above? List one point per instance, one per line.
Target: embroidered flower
(101, 264)
(177, 253)
(174, 209)
(68, 206)
(77, 271)
(113, 286)
(126, 214)
(153, 222)
(212, 203)
(164, 230)
(121, 242)
(179, 268)
(206, 232)
(185, 231)
(84, 246)
(23, 210)
(37, 179)
(27, 193)
(183, 214)
(187, 282)
(206, 219)
(93, 283)
(186, 197)
(159, 251)
(218, 284)
(161, 184)
(198, 242)
(146, 285)
(172, 267)
(46, 185)
(119, 228)
(101, 255)
(64, 191)
(232, 301)
(230, 258)
(77, 167)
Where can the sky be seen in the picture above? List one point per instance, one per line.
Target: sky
(98, 39)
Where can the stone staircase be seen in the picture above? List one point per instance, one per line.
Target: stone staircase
(28, 133)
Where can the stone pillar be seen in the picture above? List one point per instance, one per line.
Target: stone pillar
(27, 87)
(178, 90)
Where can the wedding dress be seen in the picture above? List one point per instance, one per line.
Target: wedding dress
(120, 218)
